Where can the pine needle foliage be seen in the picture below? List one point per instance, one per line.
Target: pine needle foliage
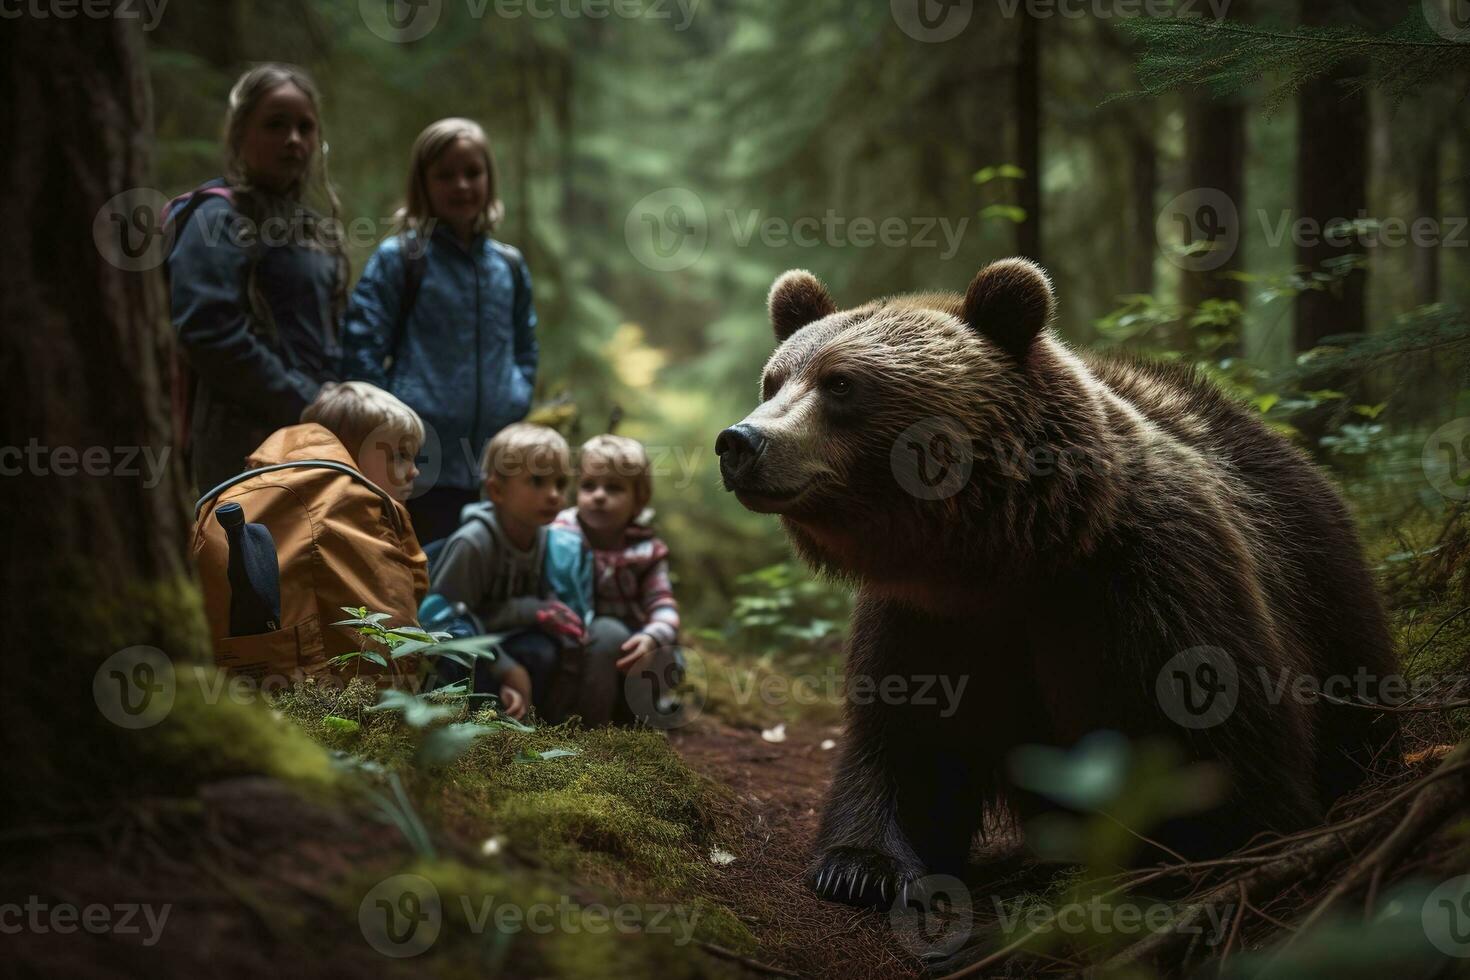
(1224, 56)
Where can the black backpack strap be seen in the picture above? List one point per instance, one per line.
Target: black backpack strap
(262, 318)
(177, 220)
(513, 259)
(415, 251)
(302, 464)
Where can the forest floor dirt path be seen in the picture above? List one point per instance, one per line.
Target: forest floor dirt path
(778, 789)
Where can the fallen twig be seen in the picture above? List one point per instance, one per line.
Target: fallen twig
(1427, 813)
(746, 961)
(1268, 868)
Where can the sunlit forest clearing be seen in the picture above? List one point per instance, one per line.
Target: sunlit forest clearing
(1273, 197)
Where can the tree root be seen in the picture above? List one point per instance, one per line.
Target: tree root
(1365, 848)
(1433, 799)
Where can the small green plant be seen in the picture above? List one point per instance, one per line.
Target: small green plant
(438, 746)
(386, 646)
(785, 608)
(1003, 210)
(1208, 332)
(1208, 336)
(398, 642)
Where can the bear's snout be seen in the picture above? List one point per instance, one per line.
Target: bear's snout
(739, 447)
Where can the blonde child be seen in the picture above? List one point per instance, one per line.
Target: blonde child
(517, 575)
(443, 317)
(637, 620)
(381, 433)
(338, 541)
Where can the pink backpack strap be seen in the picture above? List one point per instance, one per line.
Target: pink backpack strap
(182, 203)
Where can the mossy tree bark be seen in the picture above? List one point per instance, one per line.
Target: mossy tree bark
(95, 531)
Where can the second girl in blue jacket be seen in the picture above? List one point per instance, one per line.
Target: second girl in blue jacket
(442, 317)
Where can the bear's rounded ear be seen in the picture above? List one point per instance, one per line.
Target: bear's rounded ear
(1010, 301)
(796, 299)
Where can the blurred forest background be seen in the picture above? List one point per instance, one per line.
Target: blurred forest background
(1165, 216)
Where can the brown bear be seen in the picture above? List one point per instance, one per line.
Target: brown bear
(1093, 541)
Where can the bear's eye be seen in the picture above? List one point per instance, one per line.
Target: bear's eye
(839, 385)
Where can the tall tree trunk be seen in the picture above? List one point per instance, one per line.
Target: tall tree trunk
(1214, 149)
(584, 176)
(1214, 146)
(1143, 181)
(1426, 205)
(1028, 135)
(525, 136)
(1331, 185)
(94, 558)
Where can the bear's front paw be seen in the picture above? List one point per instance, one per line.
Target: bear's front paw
(860, 877)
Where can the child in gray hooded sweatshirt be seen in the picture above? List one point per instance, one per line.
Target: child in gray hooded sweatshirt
(520, 577)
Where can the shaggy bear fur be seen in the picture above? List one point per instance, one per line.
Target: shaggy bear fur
(1055, 528)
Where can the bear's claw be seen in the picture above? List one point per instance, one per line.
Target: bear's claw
(859, 877)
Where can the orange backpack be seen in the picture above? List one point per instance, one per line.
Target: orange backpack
(341, 541)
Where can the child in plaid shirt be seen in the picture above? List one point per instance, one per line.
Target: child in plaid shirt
(636, 621)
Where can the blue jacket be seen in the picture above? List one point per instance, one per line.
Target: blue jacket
(466, 357)
(251, 382)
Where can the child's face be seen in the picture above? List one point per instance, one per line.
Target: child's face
(605, 500)
(390, 466)
(279, 138)
(530, 498)
(458, 184)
